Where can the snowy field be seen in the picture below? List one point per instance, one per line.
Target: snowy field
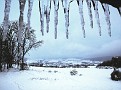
(40, 78)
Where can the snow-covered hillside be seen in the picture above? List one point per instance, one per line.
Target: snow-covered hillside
(41, 78)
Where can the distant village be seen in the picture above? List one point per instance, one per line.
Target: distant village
(65, 64)
(76, 63)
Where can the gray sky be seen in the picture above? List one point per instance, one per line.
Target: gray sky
(76, 46)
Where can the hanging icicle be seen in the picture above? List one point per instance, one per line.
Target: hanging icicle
(30, 4)
(20, 29)
(47, 13)
(95, 4)
(56, 7)
(21, 5)
(44, 8)
(119, 10)
(66, 6)
(107, 15)
(90, 12)
(41, 9)
(6, 18)
(80, 4)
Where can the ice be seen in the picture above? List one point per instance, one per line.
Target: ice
(95, 4)
(30, 4)
(119, 10)
(80, 4)
(41, 9)
(20, 29)
(21, 5)
(44, 8)
(6, 18)
(66, 6)
(56, 7)
(107, 15)
(90, 12)
(47, 12)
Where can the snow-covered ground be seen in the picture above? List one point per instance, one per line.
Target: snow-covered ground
(40, 78)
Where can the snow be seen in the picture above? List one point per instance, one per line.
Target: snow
(40, 78)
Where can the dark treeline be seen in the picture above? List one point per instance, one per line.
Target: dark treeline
(115, 62)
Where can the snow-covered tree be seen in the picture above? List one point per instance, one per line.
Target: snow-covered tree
(10, 46)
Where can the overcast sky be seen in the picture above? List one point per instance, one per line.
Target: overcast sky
(76, 46)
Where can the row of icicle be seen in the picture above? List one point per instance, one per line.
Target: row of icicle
(45, 8)
(21, 21)
(21, 16)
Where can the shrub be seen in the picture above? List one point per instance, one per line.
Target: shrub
(49, 71)
(73, 72)
(116, 75)
(24, 66)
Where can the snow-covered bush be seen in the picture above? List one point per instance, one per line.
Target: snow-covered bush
(55, 71)
(24, 65)
(74, 72)
(116, 75)
(49, 71)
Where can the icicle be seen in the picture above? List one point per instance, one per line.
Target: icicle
(41, 9)
(30, 4)
(119, 10)
(90, 12)
(66, 5)
(56, 7)
(6, 18)
(107, 14)
(95, 4)
(22, 5)
(47, 12)
(20, 29)
(80, 3)
(44, 8)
